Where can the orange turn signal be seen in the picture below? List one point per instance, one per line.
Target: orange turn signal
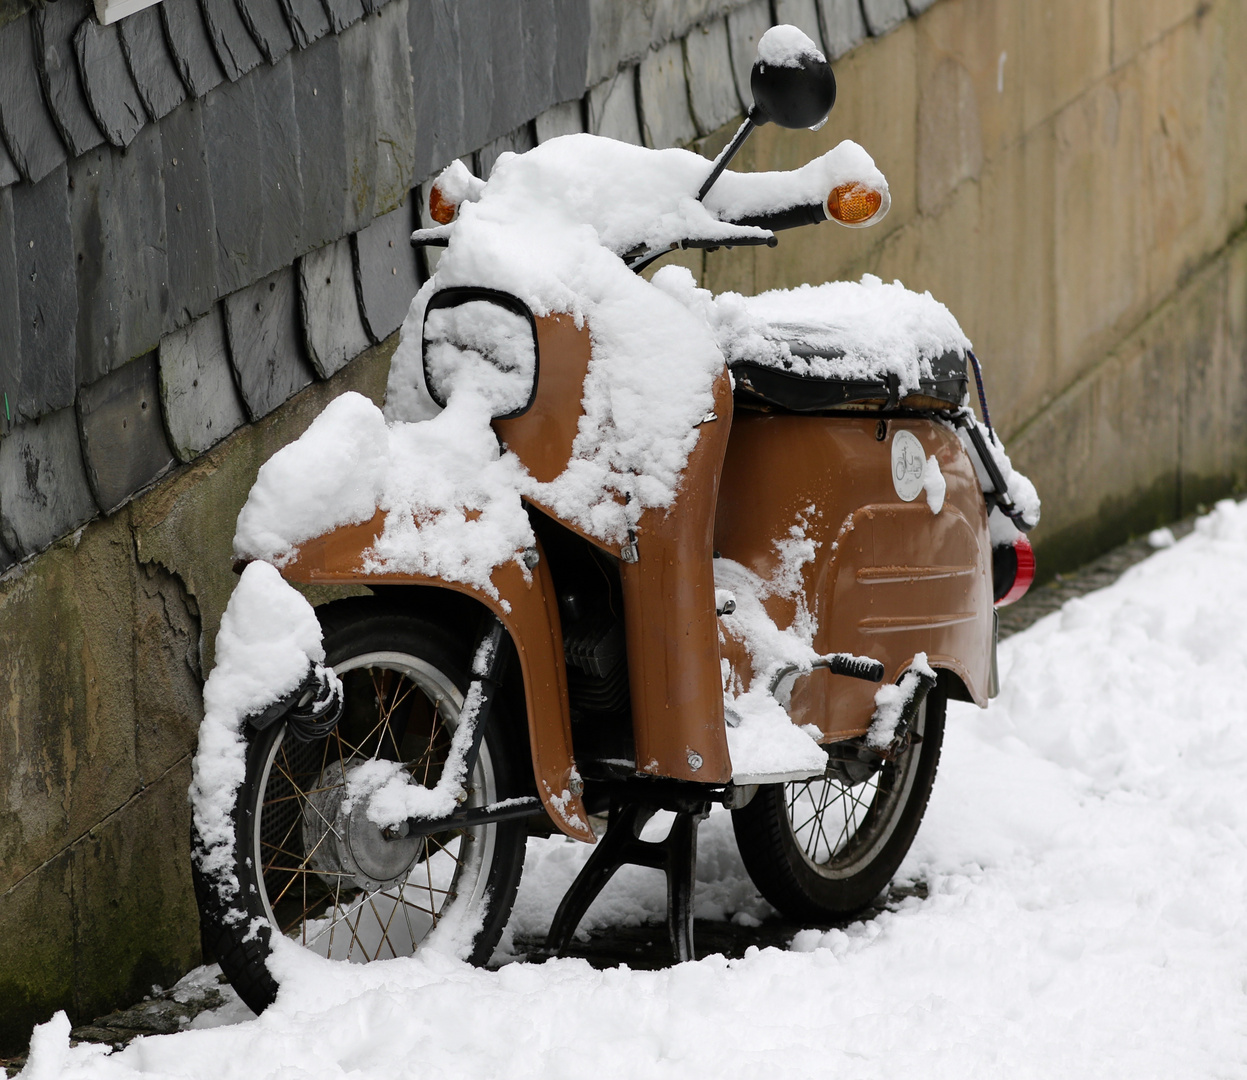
(441, 209)
(852, 203)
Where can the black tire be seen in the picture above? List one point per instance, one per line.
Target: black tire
(342, 891)
(805, 873)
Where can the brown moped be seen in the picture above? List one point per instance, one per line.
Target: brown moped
(591, 683)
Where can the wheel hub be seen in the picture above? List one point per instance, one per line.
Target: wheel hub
(343, 842)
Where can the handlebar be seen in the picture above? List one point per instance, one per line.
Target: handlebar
(792, 218)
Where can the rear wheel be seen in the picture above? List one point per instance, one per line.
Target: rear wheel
(822, 849)
(311, 865)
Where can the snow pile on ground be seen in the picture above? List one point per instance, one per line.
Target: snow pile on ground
(268, 641)
(1085, 853)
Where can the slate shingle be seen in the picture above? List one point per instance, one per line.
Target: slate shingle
(54, 27)
(234, 46)
(308, 21)
(268, 26)
(31, 136)
(385, 270)
(190, 220)
(117, 216)
(111, 93)
(433, 33)
(43, 485)
(266, 342)
(8, 171)
(282, 190)
(234, 150)
(151, 66)
(571, 63)
(47, 295)
(318, 98)
(332, 328)
(10, 327)
(199, 400)
(124, 446)
(343, 13)
(189, 41)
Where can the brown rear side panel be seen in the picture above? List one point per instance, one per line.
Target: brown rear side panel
(889, 578)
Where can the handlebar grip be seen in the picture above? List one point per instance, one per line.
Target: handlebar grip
(792, 218)
(855, 667)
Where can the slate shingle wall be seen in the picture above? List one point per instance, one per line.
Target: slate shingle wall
(224, 187)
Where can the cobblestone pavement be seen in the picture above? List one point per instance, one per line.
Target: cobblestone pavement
(646, 947)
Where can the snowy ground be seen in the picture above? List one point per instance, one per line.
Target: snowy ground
(1085, 856)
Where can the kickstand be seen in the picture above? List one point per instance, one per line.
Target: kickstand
(676, 856)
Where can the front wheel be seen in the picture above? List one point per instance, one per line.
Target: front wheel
(312, 867)
(820, 849)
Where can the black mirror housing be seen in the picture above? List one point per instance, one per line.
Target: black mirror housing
(796, 94)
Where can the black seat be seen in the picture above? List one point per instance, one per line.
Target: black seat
(766, 386)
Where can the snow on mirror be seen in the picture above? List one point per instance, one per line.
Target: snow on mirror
(481, 346)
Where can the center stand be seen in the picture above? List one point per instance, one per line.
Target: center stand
(675, 855)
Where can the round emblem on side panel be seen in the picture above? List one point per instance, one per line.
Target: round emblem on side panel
(908, 465)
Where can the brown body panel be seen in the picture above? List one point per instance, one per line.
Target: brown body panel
(530, 615)
(670, 621)
(889, 578)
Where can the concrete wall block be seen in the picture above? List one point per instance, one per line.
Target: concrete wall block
(612, 108)
(111, 93)
(950, 143)
(571, 20)
(518, 141)
(47, 296)
(266, 342)
(190, 220)
(318, 108)
(151, 66)
(385, 270)
(1058, 65)
(394, 107)
(234, 46)
(268, 26)
(744, 27)
(36, 952)
(1101, 254)
(565, 119)
(123, 438)
(343, 13)
(333, 329)
(360, 119)
(437, 87)
(191, 45)
(282, 181)
(802, 14)
(117, 206)
(43, 486)
(54, 26)
(168, 678)
(199, 400)
(711, 80)
(133, 899)
(844, 26)
(1140, 23)
(884, 15)
(308, 21)
(27, 127)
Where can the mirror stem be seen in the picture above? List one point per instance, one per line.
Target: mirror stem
(729, 152)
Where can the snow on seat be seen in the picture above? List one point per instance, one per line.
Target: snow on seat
(842, 345)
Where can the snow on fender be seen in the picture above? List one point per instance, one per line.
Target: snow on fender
(269, 637)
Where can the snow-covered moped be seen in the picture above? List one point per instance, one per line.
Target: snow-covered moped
(628, 547)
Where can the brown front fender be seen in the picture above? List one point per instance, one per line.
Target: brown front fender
(529, 611)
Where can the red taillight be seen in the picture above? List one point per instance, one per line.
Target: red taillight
(1025, 556)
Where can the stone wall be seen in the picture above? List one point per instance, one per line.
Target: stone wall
(216, 196)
